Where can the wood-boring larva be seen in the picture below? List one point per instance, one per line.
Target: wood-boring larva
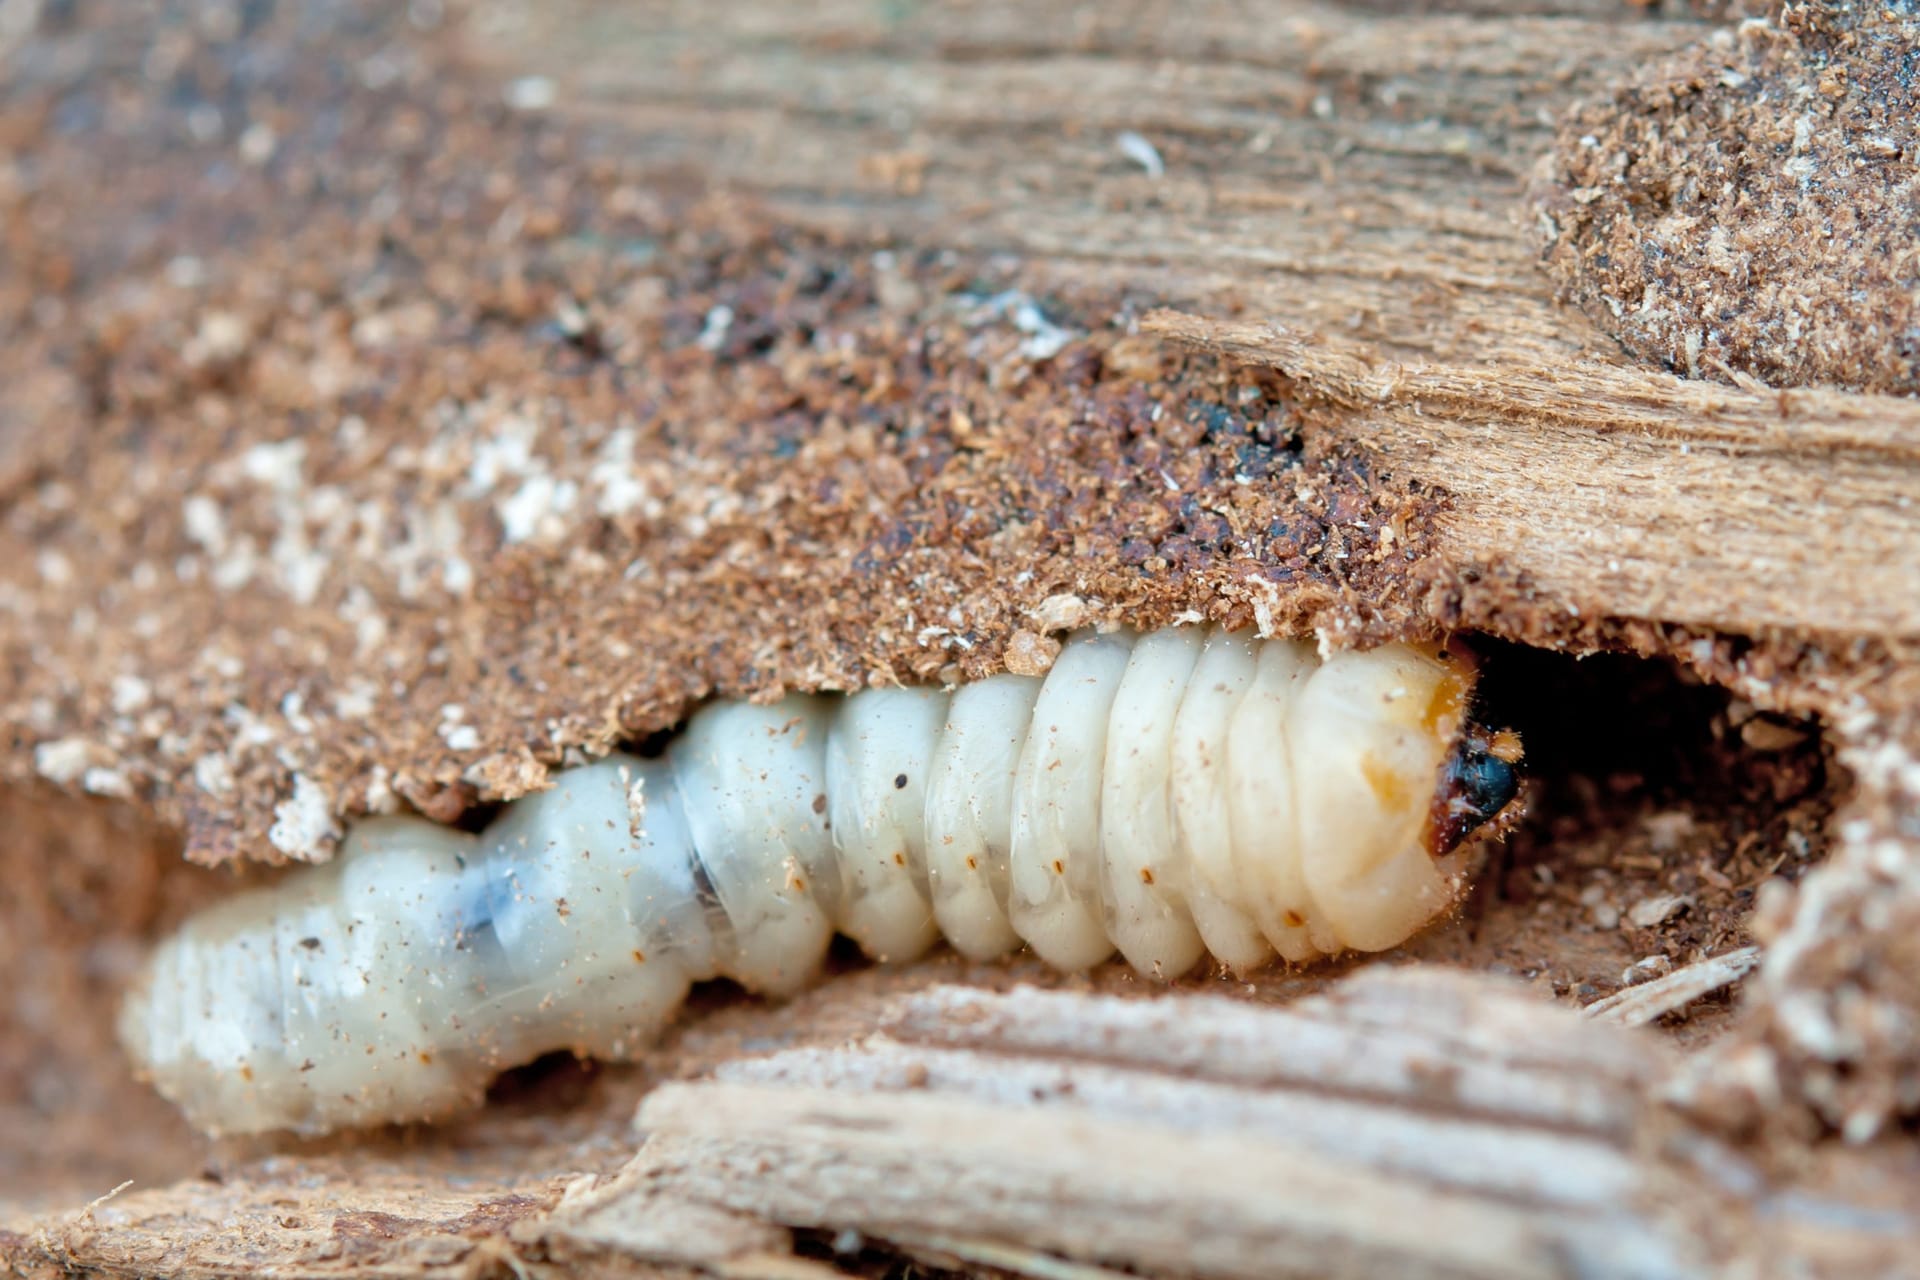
(1167, 795)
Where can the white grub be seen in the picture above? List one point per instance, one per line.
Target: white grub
(1169, 795)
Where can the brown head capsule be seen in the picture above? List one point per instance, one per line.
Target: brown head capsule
(1478, 783)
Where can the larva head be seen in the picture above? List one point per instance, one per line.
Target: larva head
(1387, 790)
(1477, 786)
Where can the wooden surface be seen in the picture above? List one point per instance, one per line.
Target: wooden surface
(1350, 185)
(1415, 1123)
(1339, 202)
(1633, 492)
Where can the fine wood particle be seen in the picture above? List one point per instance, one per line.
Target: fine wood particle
(1751, 207)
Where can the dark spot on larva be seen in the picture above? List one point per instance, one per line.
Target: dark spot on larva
(707, 895)
(1478, 782)
(311, 944)
(246, 1073)
(899, 858)
(306, 1065)
(560, 906)
(820, 803)
(972, 863)
(1293, 919)
(639, 956)
(899, 782)
(1146, 875)
(1059, 867)
(426, 1058)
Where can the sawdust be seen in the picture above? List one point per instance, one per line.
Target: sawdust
(471, 456)
(1748, 208)
(375, 440)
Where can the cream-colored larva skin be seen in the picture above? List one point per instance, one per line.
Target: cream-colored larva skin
(1170, 795)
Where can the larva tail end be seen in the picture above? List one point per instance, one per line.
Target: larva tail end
(1479, 787)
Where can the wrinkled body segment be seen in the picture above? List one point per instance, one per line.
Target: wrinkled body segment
(1169, 796)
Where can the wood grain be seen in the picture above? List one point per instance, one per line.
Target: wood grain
(1342, 201)
(1632, 492)
(1356, 180)
(1412, 1123)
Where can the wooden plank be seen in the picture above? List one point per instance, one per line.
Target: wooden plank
(1355, 175)
(1060, 1129)
(1636, 493)
(1343, 166)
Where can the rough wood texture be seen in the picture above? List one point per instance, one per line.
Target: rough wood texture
(1750, 208)
(1419, 1123)
(557, 443)
(1356, 178)
(1635, 491)
(357, 1222)
(368, 441)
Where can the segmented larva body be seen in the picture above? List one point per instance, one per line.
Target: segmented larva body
(1166, 795)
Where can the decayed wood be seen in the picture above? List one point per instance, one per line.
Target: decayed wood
(1356, 177)
(1646, 1002)
(1413, 1123)
(1354, 172)
(1644, 493)
(307, 1224)
(1339, 194)
(1348, 167)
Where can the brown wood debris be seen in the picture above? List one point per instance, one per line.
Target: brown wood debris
(1415, 1123)
(1748, 209)
(400, 404)
(1817, 536)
